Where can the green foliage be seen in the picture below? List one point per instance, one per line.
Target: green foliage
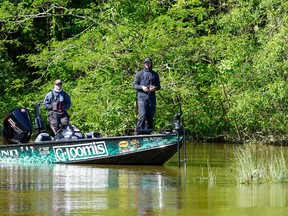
(223, 64)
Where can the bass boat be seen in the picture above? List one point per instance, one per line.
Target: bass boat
(71, 146)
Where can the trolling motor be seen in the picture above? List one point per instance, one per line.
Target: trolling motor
(175, 124)
(177, 118)
(177, 128)
(180, 130)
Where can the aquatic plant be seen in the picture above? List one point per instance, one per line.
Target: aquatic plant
(256, 163)
(211, 175)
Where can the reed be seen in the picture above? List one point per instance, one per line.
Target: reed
(259, 164)
(211, 175)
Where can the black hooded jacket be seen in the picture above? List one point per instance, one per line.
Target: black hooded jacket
(146, 77)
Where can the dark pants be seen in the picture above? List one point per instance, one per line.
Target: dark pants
(55, 119)
(146, 111)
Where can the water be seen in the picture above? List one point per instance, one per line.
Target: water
(28, 189)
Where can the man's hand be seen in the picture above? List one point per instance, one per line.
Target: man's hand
(145, 88)
(152, 88)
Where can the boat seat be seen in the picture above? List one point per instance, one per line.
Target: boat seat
(43, 137)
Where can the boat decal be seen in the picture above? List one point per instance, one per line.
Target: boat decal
(13, 153)
(123, 144)
(44, 150)
(128, 146)
(80, 152)
(14, 126)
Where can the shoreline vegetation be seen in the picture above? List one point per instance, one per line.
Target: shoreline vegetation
(253, 163)
(222, 63)
(271, 139)
(257, 164)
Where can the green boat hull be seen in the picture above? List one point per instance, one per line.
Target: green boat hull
(155, 149)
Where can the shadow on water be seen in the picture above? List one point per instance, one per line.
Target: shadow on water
(37, 189)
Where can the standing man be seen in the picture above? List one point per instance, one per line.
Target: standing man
(57, 102)
(146, 82)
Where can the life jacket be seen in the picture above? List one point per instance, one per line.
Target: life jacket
(58, 106)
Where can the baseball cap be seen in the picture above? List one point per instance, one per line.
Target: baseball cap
(57, 82)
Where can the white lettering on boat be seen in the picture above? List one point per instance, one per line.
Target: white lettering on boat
(44, 150)
(151, 139)
(9, 153)
(80, 152)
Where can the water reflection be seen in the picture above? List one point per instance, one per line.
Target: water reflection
(131, 190)
(272, 195)
(70, 188)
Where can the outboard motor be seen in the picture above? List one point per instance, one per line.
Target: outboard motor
(17, 127)
(70, 132)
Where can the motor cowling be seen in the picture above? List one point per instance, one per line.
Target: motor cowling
(17, 127)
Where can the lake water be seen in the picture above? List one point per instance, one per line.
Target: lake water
(35, 189)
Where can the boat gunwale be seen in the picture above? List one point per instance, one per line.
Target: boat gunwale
(60, 142)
